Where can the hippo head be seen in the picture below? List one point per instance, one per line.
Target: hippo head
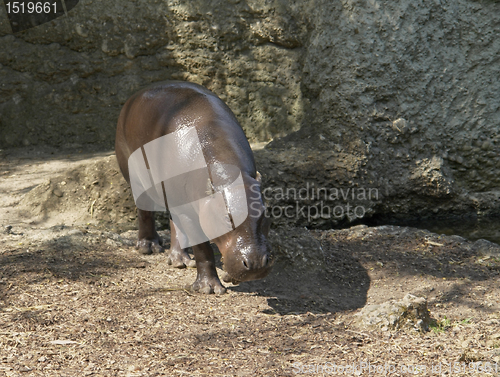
(245, 249)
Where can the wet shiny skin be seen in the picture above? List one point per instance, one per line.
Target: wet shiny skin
(168, 107)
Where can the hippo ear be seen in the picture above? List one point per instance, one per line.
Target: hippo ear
(258, 177)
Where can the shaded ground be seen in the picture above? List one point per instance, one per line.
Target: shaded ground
(76, 299)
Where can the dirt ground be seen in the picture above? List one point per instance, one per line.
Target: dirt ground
(77, 299)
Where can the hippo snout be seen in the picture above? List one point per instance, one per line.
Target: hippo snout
(258, 263)
(248, 266)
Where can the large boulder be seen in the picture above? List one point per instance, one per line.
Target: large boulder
(400, 97)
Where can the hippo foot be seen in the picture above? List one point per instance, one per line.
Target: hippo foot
(229, 279)
(180, 259)
(208, 286)
(147, 247)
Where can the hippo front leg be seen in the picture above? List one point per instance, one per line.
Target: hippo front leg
(149, 241)
(207, 280)
(178, 257)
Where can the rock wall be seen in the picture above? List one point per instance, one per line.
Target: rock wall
(64, 82)
(400, 96)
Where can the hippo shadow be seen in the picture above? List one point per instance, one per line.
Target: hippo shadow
(310, 275)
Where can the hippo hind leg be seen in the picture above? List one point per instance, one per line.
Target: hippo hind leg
(149, 241)
(178, 257)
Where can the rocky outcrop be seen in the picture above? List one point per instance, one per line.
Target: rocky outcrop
(411, 312)
(64, 82)
(399, 97)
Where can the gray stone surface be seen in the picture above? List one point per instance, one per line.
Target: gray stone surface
(411, 312)
(400, 96)
(296, 247)
(486, 249)
(64, 82)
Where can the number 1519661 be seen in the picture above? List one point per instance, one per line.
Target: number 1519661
(30, 7)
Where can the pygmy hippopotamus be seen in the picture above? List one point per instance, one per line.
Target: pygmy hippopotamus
(181, 149)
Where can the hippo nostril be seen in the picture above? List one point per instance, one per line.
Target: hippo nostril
(245, 263)
(265, 261)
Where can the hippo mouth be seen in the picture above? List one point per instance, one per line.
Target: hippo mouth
(227, 278)
(251, 275)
